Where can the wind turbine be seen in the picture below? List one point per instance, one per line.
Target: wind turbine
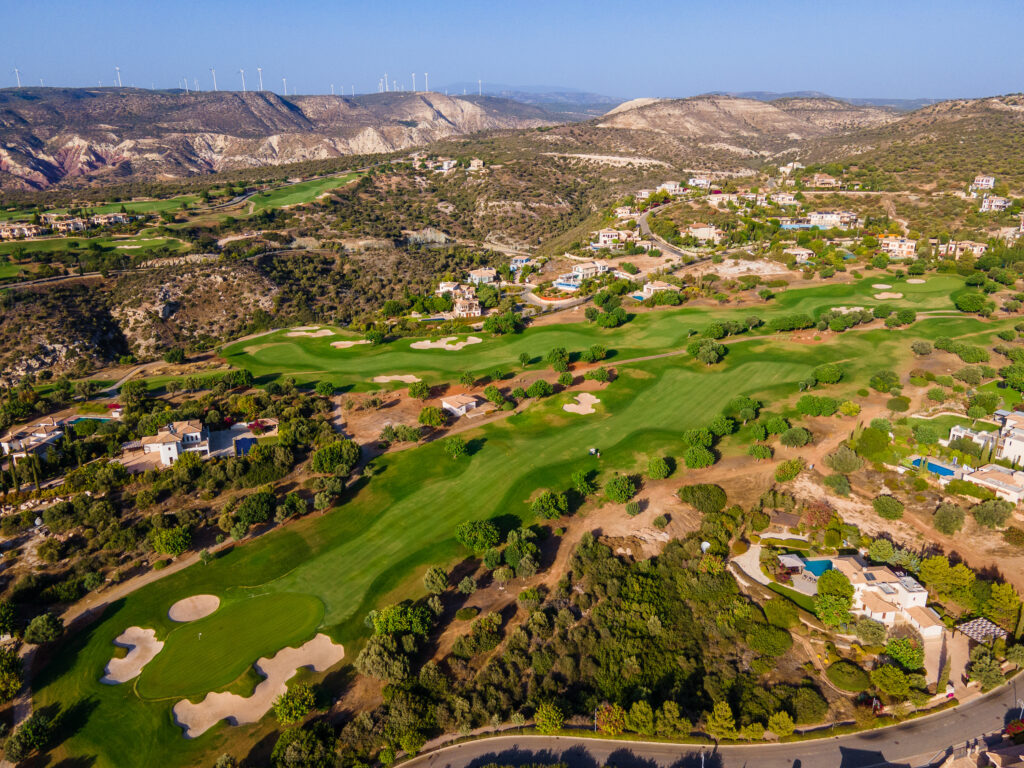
(386, 88)
(426, 82)
(195, 84)
(17, 74)
(332, 89)
(284, 80)
(479, 87)
(118, 69)
(214, 73)
(260, 70)
(242, 73)
(186, 85)
(414, 82)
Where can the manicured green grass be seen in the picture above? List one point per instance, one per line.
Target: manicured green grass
(375, 547)
(129, 246)
(945, 423)
(303, 192)
(208, 654)
(804, 601)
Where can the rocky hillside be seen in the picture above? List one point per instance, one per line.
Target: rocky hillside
(51, 136)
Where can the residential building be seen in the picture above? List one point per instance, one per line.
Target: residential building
(446, 286)
(642, 194)
(994, 203)
(833, 219)
(607, 237)
(672, 188)
(1006, 443)
(69, 225)
(788, 168)
(1007, 484)
(459, 405)
(518, 262)
(703, 181)
(823, 181)
(657, 286)
(18, 444)
(11, 231)
(108, 219)
(589, 269)
(784, 198)
(881, 594)
(955, 249)
(897, 246)
(705, 232)
(484, 275)
(983, 182)
(722, 198)
(476, 164)
(799, 254)
(467, 307)
(624, 212)
(174, 439)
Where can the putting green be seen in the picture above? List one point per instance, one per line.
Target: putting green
(209, 653)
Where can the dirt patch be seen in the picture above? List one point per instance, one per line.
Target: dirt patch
(888, 295)
(405, 378)
(448, 342)
(347, 344)
(881, 286)
(142, 646)
(319, 654)
(312, 334)
(584, 404)
(192, 608)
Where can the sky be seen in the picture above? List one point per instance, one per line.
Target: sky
(862, 48)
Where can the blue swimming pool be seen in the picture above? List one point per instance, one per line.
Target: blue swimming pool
(77, 419)
(938, 469)
(817, 567)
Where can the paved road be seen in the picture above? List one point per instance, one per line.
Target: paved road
(916, 743)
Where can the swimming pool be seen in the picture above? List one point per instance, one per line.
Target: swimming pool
(938, 469)
(77, 419)
(817, 567)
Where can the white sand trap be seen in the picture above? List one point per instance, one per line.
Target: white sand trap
(347, 344)
(448, 343)
(142, 646)
(916, 281)
(881, 286)
(584, 404)
(888, 295)
(306, 328)
(192, 608)
(407, 378)
(312, 334)
(319, 654)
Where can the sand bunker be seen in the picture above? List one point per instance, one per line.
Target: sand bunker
(142, 646)
(847, 310)
(448, 343)
(347, 344)
(881, 286)
(916, 281)
(407, 378)
(584, 404)
(888, 295)
(306, 328)
(192, 608)
(319, 654)
(311, 334)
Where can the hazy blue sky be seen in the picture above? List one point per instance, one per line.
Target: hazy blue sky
(890, 48)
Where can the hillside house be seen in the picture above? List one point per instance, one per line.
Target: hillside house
(16, 230)
(784, 198)
(897, 247)
(705, 233)
(719, 199)
(483, 276)
(518, 262)
(800, 255)
(467, 307)
(1006, 483)
(673, 188)
(37, 438)
(607, 237)
(446, 286)
(881, 594)
(476, 164)
(642, 194)
(624, 212)
(69, 225)
(957, 248)
(658, 286)
(174, 439)
(788, 168)
(833, 219)
(823, 181)
(983, 182)
(459, 405)
(702, 181)
(994, 203)
(589, 269)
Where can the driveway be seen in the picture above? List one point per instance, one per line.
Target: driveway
(750, 563)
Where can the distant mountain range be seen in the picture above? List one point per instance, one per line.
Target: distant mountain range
(902, 105)
(571, 103)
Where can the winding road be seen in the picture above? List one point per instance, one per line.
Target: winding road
(916, 743)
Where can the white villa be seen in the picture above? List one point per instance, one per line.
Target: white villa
(994, 203)
(702, 181)
(897, 246)
(984, 182)
(833, 219)
(483, 275)
(705, 232)
(459, 405)
(672, 188)
(784, 198)
(33, 439)
(657, 286)
(958, 248)
(801, 255)
(176, 438)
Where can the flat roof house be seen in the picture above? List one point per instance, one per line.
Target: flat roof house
(1007, 484)
(800, 254)
(784, 198)
(897, 246)
(176, 438)
(883, 595)
(702, 181)
(657, 286)
(984, 182)
(607, 236)
(958, 248)
(459, 405)
(672, 187)
(994, 203)
(824, 181)
(705, 232)
(589, 269)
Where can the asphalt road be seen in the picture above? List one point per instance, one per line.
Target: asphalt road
(915, 743)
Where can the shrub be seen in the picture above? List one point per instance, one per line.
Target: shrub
(795, 437)
(661, 522)
(949, 518)
(658, 468)
(698, 457)
(706, 498)
(295, 703)
(888, 507)
(921, 348)
(993, 513)
(550, 505)
(769, 639)
(788, 470)
(829, 373)
(848, 676)
(781, 612)
(467, 613)
(620, 489)
(838, 484)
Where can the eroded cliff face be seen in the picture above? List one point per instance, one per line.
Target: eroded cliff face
(66, 136)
